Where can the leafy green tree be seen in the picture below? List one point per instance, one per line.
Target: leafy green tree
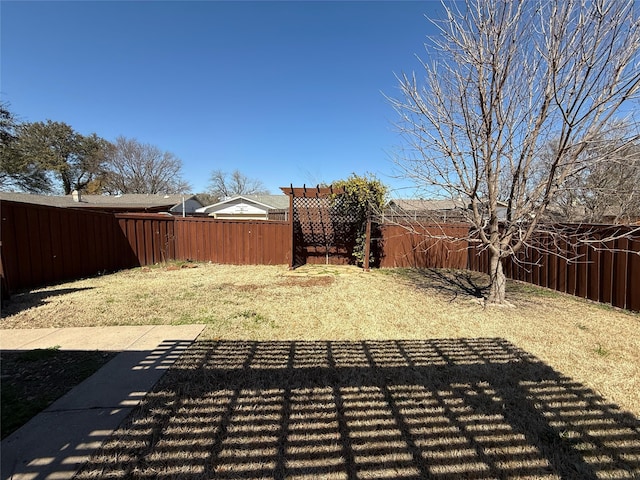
(16, 172)
(76, 160)
(364, 195)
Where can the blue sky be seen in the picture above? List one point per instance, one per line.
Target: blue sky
(286, 92)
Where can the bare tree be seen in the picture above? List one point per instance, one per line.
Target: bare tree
(223, 184)
(607, 188)
(506, 78)
(135, 167)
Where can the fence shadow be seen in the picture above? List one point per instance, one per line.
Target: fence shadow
(444, 409)
(26, 299)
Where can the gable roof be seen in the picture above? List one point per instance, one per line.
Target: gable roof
(422, 205)
(267, 202)
(125, 202)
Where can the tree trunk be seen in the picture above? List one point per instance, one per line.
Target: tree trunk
(497, 288)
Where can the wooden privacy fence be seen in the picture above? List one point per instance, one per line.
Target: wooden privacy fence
(607, 272)
(258, 242)
(159, 238)
(603, 271)
(423, 246)
(42, 245)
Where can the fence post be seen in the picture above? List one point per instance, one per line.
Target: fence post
(367, 242)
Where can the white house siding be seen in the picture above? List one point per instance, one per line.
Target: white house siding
(240, 209)
(190, 206)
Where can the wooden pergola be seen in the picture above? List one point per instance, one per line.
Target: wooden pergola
(319, 227)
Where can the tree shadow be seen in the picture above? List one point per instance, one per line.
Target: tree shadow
(23, 300)
(444, 409)
(449, 282)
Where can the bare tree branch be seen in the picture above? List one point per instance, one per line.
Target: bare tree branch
(223, 184)
(504, 81)
(135, 167)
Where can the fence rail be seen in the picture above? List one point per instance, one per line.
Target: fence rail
(42, 245)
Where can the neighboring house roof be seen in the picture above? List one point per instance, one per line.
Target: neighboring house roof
(122, 203)
(275, 202)
(422, 205)
(252, 203)
(420, 209)
(447, 209)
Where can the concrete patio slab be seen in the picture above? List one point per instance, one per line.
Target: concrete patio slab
(90, 338)
(57, 442)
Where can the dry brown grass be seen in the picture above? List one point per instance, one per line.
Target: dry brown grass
(593, 343)
(407, 409)
(271, 361)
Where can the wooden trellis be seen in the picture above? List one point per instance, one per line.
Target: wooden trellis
(322, 230)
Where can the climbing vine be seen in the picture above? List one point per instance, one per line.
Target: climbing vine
(362, 196)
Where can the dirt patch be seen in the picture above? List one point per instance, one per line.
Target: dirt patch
(316, 281)
(320, 269)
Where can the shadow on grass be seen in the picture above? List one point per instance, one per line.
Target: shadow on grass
(26, 299)
(445, 409)
(449, 282)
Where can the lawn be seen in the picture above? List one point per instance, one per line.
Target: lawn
(33, 379)
(338, 373)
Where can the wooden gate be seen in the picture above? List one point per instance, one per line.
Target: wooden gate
(323, 230)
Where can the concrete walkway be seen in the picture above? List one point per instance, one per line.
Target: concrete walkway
(57, 442)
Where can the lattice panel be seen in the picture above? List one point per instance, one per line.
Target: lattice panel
(324, 230)
(322, 221)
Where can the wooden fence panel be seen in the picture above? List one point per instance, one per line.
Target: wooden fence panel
(423, 246)
(552, 273)
(43, 245)
(151, 237)
(619, 293)
(582, 267)
(593, 284)
(11, 271)
(232, 242)
(562, 270)
(633, 275)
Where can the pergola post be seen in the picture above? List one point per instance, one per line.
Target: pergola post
(367, 242)
(289, 192)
